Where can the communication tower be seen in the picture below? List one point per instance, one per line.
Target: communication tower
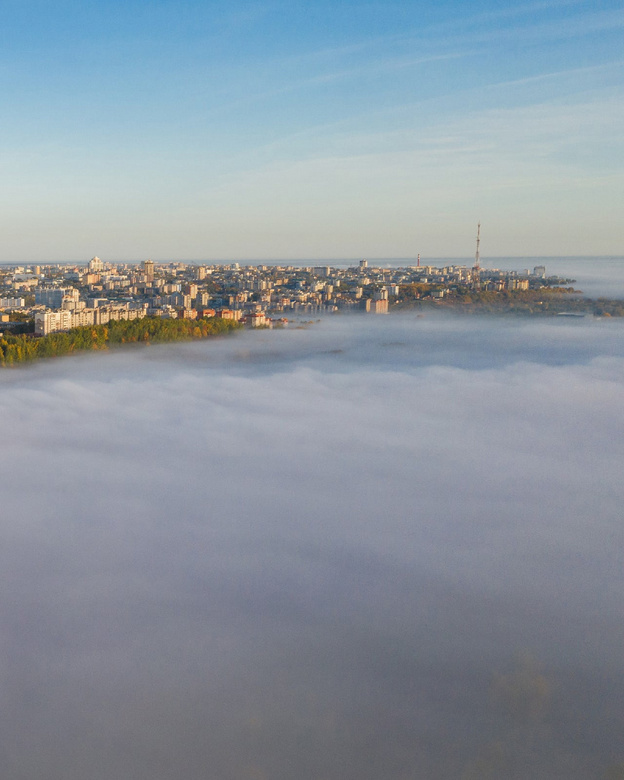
(476, 270)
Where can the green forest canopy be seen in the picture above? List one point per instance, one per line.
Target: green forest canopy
(18, 349)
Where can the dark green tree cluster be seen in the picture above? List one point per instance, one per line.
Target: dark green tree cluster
(158, 330)
(21, 348)
(545, 301)
(606, 307)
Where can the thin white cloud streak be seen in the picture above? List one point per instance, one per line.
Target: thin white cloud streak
(386, 66)
(427, 34)
(589, 24)
(591, 70)
(582, 25)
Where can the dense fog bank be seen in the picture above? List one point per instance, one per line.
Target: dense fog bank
(376, 547)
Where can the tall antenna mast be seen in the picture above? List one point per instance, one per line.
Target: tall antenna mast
(476, 271)
(418, 261)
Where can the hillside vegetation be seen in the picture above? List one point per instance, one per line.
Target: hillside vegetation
(21, 348)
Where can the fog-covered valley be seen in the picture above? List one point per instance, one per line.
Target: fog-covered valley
(369, 548)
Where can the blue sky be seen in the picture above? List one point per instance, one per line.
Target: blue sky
(240, 130)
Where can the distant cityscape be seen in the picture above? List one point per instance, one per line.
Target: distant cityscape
(60, 297)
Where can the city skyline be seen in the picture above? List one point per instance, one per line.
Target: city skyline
(264, 131)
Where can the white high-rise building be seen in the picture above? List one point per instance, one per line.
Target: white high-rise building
(51, 321)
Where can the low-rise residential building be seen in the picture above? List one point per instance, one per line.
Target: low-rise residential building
(12, 303)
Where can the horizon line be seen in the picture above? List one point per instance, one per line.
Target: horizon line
(310, 260)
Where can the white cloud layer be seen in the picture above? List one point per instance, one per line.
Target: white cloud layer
(306, 554)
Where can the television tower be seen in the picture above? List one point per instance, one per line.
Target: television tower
(418, 261)
(476, 270)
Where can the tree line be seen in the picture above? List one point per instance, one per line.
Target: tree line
(21, 348)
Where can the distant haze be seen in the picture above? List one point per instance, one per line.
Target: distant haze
(372, 548)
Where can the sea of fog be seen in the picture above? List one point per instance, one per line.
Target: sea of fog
(372, 548)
